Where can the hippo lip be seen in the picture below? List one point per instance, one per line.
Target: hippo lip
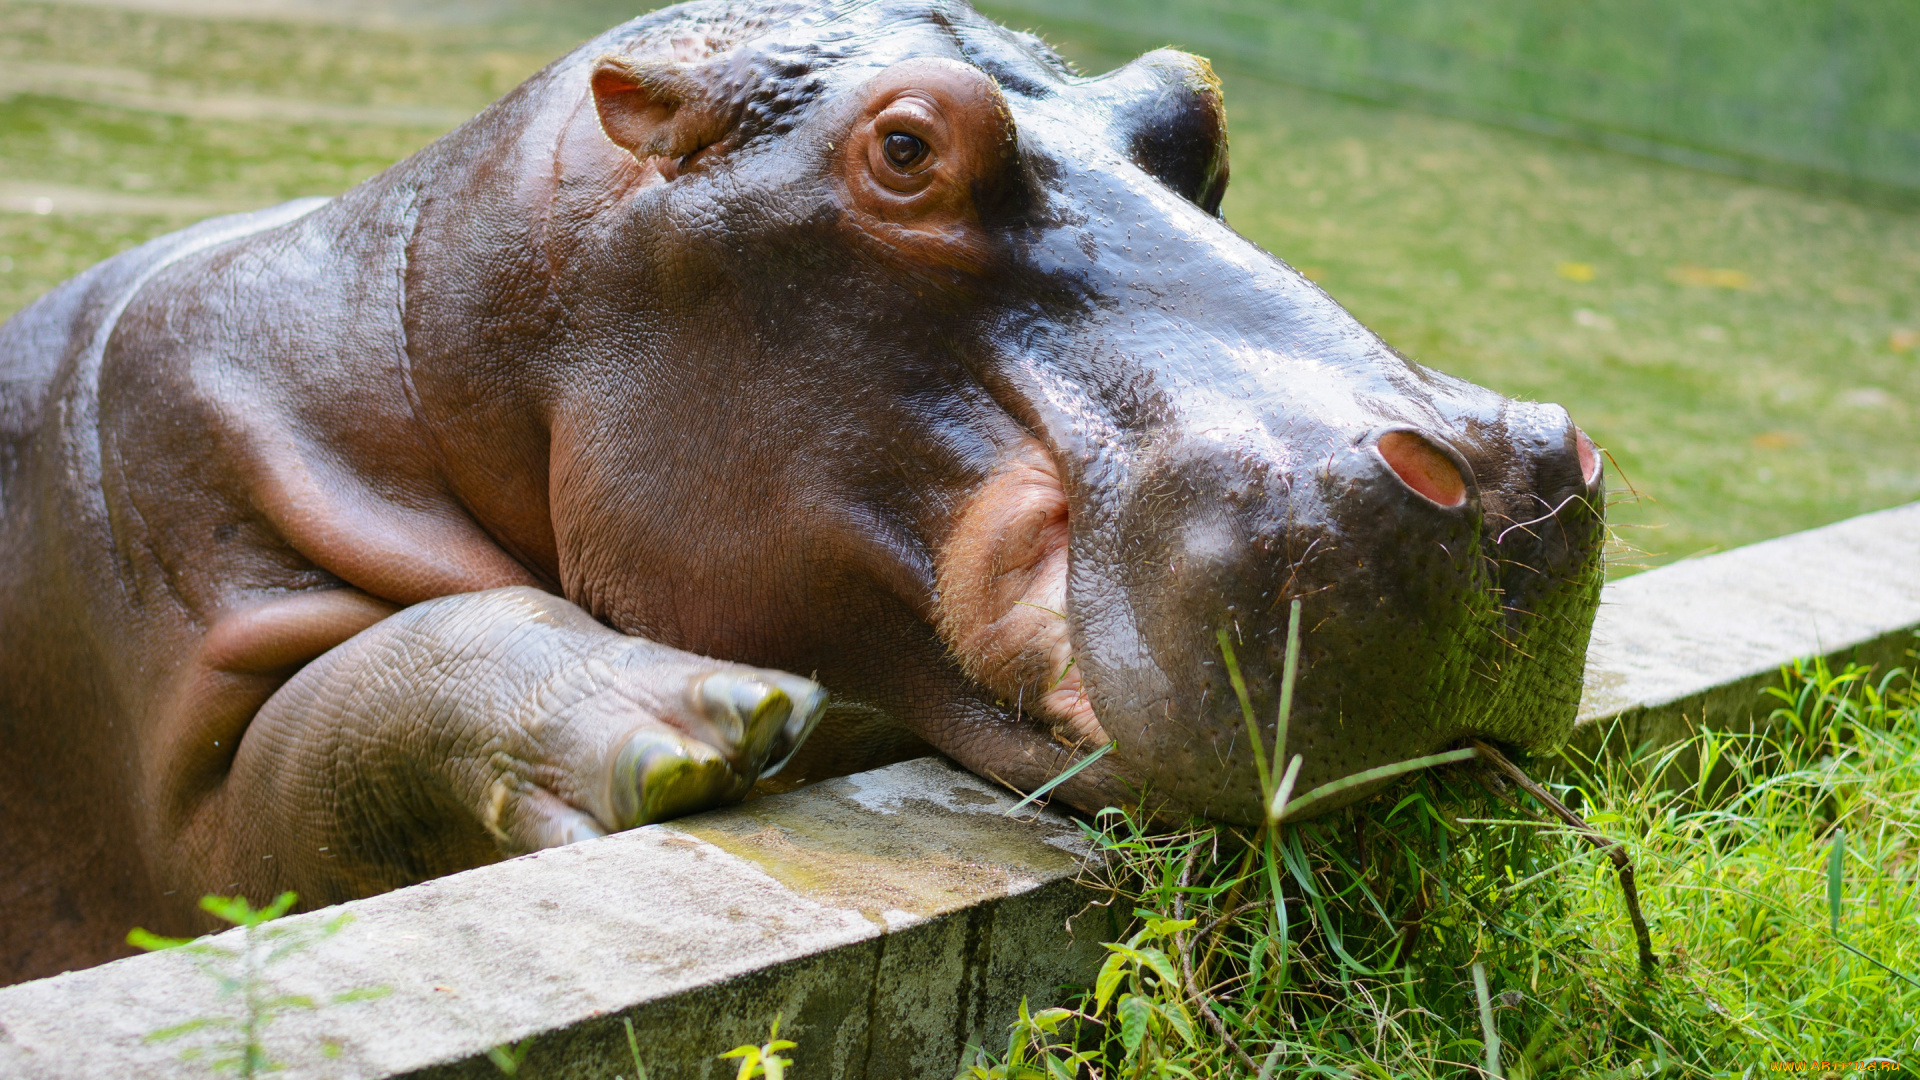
(1067, 708)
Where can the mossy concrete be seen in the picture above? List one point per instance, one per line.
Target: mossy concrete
(887, 918)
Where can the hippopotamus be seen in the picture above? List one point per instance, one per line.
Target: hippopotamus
(766, 386)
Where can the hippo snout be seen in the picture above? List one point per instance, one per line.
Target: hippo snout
(1446, 573)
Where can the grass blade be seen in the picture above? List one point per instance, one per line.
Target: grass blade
(1287, 673)
(1296, 860)
(1280, 796)
(1382, 772)
(1487, 1029)
(1836, 868)
(633, 1047)
(1246, 711)
(1282, 927)
(1895, 972)
(1073, 770)
(1273, 1056)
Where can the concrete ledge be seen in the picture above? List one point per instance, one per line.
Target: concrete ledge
(888, 917)
(1695, 644)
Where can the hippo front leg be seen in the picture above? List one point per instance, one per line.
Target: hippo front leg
(490, 723)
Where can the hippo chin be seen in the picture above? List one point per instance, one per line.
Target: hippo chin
(489, 505)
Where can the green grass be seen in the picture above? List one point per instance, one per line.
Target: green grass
(1821, 93)
(1365, 968)
(137, 124)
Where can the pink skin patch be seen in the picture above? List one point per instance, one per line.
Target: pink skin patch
(1003, 594)
(1422, 467)
(1589, 457)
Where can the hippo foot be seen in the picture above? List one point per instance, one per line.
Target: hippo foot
(590, 731)
(762, 716)
(508, 719)
(737, 727)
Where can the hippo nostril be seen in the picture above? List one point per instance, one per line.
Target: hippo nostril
(1423, 467)
(1589, 457)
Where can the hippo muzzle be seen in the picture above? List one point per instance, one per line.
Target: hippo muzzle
(1421, 623)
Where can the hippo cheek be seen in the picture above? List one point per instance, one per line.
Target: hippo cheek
(1002, 579)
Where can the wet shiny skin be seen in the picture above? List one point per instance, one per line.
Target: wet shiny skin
(354, 544)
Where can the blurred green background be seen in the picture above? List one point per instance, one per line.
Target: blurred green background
(1694, 225)
(1823, 95)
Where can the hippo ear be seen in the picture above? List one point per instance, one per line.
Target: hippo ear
(657, 109)
(1169, 108)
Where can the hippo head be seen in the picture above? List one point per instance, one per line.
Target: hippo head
(960, 352)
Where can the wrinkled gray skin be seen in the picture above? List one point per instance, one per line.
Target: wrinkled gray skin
(486, 506)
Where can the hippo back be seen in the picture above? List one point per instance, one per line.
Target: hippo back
(66, 331)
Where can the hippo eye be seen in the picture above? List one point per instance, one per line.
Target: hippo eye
(903, 150)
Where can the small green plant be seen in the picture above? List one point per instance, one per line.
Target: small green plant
(508, 1057)
(1154, 1022)
(240, 970)
(759, 1061)
(1036, 1049)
